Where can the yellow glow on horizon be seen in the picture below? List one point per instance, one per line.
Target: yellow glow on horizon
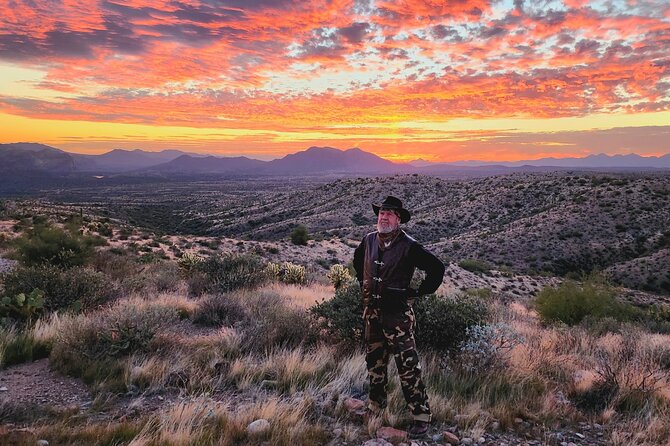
(399, 141)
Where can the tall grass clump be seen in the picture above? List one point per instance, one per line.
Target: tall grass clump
(92, 346)
(266, 319)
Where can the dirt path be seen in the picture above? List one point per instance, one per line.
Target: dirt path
(35, 384)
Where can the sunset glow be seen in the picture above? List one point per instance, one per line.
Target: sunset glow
(437, 80)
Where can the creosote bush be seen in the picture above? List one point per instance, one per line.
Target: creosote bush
(442, 322)
(50, 245)
(572, 302)
(340, 318)
(300, 236)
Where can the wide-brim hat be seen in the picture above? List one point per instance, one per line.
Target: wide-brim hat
(393, 204)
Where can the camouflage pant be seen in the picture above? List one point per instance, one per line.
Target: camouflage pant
(393, 333)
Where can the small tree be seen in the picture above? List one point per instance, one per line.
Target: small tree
(299, 236)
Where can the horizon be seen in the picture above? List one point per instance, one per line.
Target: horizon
(470, 81)
(343, 150)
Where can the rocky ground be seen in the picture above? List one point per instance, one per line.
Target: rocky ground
(33, 391)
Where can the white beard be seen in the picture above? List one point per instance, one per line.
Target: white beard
(386, 228)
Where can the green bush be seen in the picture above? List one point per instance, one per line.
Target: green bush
(572, 302)
(54, 246)
(230, 272)
(474, 266)
(442, 322)
(299, 236)
(340, 318)
(63, 289)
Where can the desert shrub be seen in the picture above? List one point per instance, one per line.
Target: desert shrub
(230, 272)
(115, 263)
(163, 276)
(442, 322)
(198, 283)
(77, 287)
(340, 318)
(220, 310)
(300, 236)
(339, 275)
(571, 302)
(54, 246)
(487, 346)
(474, 266)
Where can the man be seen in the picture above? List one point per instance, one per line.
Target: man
(385, 262)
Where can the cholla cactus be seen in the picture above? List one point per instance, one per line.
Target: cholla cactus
(287, 272)
(273, 270)
(189, 261)
(293, 273)
(338, 275)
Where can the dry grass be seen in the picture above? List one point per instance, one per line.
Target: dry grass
(293, 387)
(302, 296)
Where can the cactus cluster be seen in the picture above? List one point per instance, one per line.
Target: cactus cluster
(287, 272)
(338, 276)
(189, 261)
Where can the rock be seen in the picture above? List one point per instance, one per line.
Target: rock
(354, 405)
(581, 436)
(481, 440)
(377, 442)
(391, 434)
(571, 444)
(450, 438)
(467, 441)
(518, 421)
(42, 443)
(3, 389)
(495, 426)
(337, 433)
(258, 427)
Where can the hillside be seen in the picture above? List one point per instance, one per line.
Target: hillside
(529, 223)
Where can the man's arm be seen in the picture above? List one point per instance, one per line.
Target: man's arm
(434, 268)
(359, 259)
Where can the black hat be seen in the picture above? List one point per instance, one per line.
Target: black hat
(393, 204)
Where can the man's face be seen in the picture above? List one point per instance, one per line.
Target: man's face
(387, 221)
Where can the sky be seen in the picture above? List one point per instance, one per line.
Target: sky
(406, 79)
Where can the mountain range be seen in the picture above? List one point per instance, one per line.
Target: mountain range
(31, 158)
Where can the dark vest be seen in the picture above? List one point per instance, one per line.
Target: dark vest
(387, 272)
